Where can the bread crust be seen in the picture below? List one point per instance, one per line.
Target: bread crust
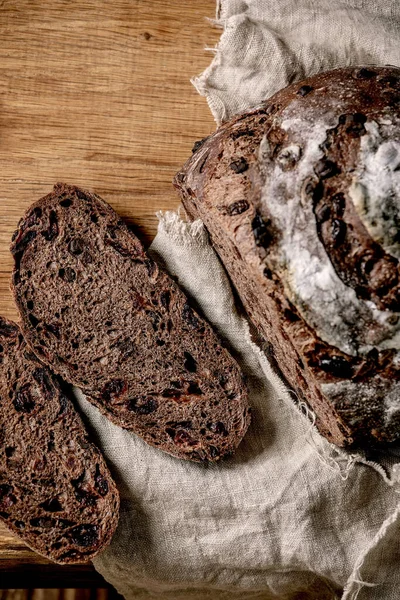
(301, 200)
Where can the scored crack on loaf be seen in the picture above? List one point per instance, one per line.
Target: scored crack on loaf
(301, 197)
(105, 317)
(56, 492)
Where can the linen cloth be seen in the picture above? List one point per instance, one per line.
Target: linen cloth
(290, 516)
(267, 44)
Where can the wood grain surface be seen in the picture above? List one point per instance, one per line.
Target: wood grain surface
(94, 93)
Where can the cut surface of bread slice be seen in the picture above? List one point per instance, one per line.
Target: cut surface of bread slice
(56, 492)
(105, 317)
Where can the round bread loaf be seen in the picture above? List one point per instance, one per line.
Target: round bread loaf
(301, 197)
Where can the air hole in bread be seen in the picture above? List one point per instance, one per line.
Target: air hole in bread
(56, 546)
(190, 364)
(165, 298)
(66, 203)
(171, 393)
(194, 389)
(291, 316)
(176, 384)
(33, 320)
(51, 505)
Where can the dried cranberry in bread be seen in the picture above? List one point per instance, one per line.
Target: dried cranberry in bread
(56, 492)
(102, 314)
(301, 197)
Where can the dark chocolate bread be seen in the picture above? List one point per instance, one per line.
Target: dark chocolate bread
(98, 310)
(56, 492)
(301, 197)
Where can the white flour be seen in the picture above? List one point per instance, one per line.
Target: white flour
(375, 190)
(327, 304)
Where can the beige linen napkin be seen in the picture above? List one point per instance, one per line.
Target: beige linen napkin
(267, 44)
(289, 517)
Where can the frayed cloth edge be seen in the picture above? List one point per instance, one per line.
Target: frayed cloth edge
(182, 233)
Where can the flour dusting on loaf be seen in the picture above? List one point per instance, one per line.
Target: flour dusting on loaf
(332, 308)
(375, 189)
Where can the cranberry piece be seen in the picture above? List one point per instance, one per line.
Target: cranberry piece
(198, 144)
(336, 366)
(217, 428)
(165, 298)
(7, 497)
(189, 317)
(114, 389)
(326, 168)
(304, 90)
(22, 242)
(101, 483)
(338, 231)
(76, 246)
(52, 231)
(42, 522)
(261, 234)
(85, 535)
(7, 330)
(144, 406)
(239, 166)
(23, 401)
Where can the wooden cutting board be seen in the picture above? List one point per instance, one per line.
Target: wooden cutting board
(95, 93)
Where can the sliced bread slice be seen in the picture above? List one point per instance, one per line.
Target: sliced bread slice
(56, 492)
(98, 310)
